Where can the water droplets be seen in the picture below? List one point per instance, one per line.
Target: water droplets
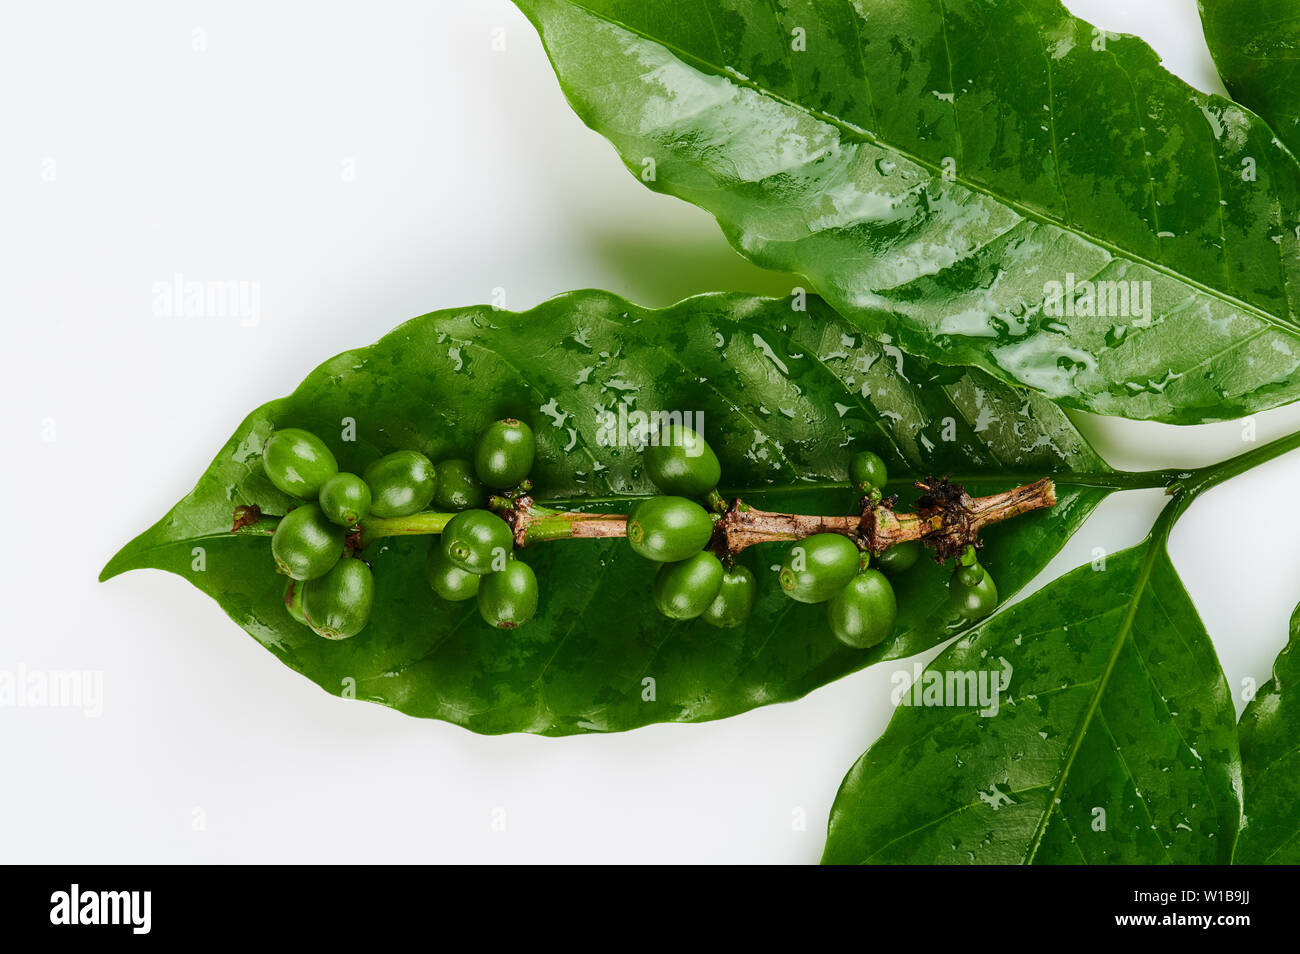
(552, 410)
(767, 351)
(1152, 387)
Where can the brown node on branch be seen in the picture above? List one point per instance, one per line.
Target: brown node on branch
(246, 517)
(947, 513)
(951, 519)
(514, 511)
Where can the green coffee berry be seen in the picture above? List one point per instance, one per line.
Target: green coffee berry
(818, 567)
(401, 483)
(298, 462)
(899, 558)
(734, 603)
(685, 589)
(682, 463)
(968, 576)
(448, 580)
(458, 487)
(478, 541)
(338, 604)
(293, 600)
(973, 602)
(668, 529)
(306, 545)
(508, 598)
(505, 453)
(867, 471)
(345, 498)
(862, 614)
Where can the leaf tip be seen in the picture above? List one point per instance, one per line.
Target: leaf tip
(118, 565)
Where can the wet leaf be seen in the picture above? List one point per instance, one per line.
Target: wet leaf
(996, 184)
(1112, 741)
(1270, 757)
(785, 397)
(1256, 47)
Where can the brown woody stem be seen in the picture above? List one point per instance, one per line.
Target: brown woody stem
(947, 519)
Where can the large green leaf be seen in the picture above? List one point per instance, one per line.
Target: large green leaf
(785, 397)
(935, 166)
(1113, 741)
(1256, 47)
(1270, 755)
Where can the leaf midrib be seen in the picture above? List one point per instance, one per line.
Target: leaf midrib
(1155, 546)
(1119, 480)
(1028, 212)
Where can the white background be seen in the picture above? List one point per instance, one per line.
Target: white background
(128, 156)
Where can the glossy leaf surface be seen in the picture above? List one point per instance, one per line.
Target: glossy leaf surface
(1270, 757)
(785, 397)
(1256, 48)
(997, 184)
(1112, 742)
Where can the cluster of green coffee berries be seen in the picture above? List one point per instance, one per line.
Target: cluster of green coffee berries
(971, 593)
(674, 531)
(831, 568)
(693, 582)
(474, 556)
(333, 593)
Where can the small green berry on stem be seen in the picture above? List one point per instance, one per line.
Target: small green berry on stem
(508, 598)
(458, 487)
(338, 604)
(345, 498)
(862, 613)
(668, 529)
(505, 453)
(306, 544)
(298, 462)
(401, 483)
(734, 603)
(899, 558)
(685, 589)
(867, 471)
(448, 580)
(477, 541)
(680, 462)
(973, 602)
(816, 568)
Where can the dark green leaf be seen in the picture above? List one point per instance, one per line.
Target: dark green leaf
(1116, 714)
(785, 396)
(936, 166)
(1256, 47)
(1270, 759)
